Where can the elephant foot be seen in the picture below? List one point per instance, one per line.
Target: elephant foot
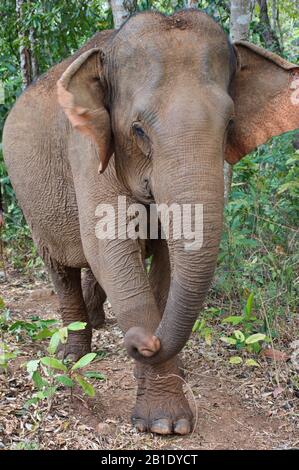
(77, 345)
(161, 406)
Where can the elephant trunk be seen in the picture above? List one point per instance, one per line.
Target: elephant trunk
(192, 264)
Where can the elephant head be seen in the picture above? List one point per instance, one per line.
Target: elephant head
(172, 98)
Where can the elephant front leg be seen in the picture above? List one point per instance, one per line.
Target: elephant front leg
(161, 406)
(67, 282)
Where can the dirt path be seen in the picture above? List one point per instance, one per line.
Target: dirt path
(236, 407)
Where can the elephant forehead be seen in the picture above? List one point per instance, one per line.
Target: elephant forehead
(155, 21)
(154, 57)
(152, 38)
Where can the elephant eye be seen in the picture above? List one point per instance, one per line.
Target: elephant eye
(142, 140)
(230, 124)
(138, 131)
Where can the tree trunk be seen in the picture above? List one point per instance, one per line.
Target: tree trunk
(239, 29)
(34, 63)
(24, 52)
(279, 30)
(267, 33)
(274, 14)
(121, 10)
(239, 19)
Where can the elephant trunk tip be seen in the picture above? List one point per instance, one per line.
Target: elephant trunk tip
(140, 343)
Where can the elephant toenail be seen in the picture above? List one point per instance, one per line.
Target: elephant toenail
(182, 426)
(161, 426)
(139, 425)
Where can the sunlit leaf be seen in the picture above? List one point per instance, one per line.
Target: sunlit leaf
(54, 342)
(76, 326)
(251, 363)
(239, 336)
(233, 320)
(235, 360)
(53, 363)
(63, 334)
(255, 338)
(84, 361)
(228, 340)
(248, 306)
(32, 366)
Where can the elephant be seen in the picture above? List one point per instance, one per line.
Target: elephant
(148, 112)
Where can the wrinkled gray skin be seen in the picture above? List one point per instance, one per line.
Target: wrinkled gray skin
(160, 94)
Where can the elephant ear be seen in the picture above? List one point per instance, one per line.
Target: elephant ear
(81, 95)
(265, 91)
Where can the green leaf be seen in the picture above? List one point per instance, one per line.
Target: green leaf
(255, 347)
(44, 333)
(248, 306)
(228, 340)
(32, 401)
(63, 334)
(40, 395)
(32, 366)
(22, 325)
(84, 361)
(65, 380)
(76, 326)
(233, 320)
(54, 342)
(53, 363)
(251, 363)
(196, 326)
(39, 382)
(2, 304)
(239, 336)
(94, 375)
(7, 356)
(235, 360)
(255, 338)
(86, 386)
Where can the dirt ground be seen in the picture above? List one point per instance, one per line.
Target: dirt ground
(236, 407)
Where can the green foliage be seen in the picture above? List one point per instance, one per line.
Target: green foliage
(26, 445)
(7, 354)
(249, 324)
(236, 360)
(255, 280)
(46, 371)
(259, 249)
